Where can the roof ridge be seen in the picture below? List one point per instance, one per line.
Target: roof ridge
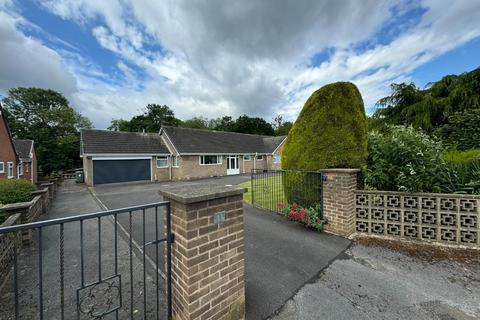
(219, 131)
(130, 132)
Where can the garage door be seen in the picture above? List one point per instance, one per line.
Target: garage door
(113, 171)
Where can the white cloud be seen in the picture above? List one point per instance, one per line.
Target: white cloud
(234, 57)
(25, 61)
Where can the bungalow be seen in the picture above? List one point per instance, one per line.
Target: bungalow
(17, 157)
(174, 154)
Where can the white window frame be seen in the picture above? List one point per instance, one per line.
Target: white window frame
(259, 157)
(10, 168)
(2, 167)
(175, 161)
(20, 169)
(219, 160)
(162, 158)
(247, 159)
(277, 158)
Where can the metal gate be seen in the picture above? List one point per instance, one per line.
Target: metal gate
(275, 189)
(108, 265)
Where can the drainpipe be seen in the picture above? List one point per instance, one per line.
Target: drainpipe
(170, 168)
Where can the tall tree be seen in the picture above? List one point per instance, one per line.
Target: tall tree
(246, 124)
(196, 123)
(280, 126)
(154, 117)
(46, 117)
(429, 108)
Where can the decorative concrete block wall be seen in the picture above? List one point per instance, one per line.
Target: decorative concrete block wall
(208, 255)
(446, 218)
(339, 200)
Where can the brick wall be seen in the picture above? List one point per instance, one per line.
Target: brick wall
(339, 200)
(159, 174)
(208, 259)
(190, 168)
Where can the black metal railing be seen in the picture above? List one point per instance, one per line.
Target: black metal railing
(275, 189)
(104, 265)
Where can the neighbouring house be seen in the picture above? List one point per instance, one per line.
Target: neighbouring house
(174, 154)
(27, 166)
(8, 155)
(17, 157)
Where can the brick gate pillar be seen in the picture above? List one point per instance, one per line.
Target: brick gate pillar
(208, 255)
(339, 200)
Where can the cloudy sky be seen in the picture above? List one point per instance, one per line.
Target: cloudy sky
(216, 57)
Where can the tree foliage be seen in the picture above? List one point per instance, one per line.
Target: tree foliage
(281, 127)
(46, 117)
(405, 159)
(429, 108)
(153, 118)
(331, 131)
(462, 130)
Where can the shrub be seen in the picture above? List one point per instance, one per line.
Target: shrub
(462, 130)
(405, 159)
(331, 131)
(466, 168)
(311, 217)
(12, 191)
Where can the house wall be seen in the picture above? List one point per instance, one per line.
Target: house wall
(7, 152)
(190, 168)
(160, 174)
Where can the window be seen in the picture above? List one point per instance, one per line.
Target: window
(162, 162)
(259, 157)
(10, 169)
(2, 167)
(175, 161)
(20, 169)
(277, 158)
(205, 160)
(247, 157)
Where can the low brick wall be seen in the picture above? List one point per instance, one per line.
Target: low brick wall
(20, 213)
(444, 218)
(8, 242)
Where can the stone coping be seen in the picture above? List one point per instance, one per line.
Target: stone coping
(21, 205)
(197, 193)
(340, 170)
(46, 184)
(11, 220)
(37, 192)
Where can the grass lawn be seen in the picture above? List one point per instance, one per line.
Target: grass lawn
(268, 192)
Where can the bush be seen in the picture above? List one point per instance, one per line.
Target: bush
(331, 131)
(462, 130)
(311, 217)
(405, 159)
(12, 191)
(466, 168)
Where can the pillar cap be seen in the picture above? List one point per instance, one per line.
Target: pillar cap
(340, 170)
(196, 192)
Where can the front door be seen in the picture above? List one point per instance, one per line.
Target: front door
(232, 165)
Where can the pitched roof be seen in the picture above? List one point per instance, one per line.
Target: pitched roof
(23, 148)
(115, 142)
(201, 141)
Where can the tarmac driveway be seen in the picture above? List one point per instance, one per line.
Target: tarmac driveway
(281, 257)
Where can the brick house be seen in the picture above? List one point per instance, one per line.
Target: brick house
(27, 166)
(174, 154)
(17, 157)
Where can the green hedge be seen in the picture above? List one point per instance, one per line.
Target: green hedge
(330, 132)
(12, 191)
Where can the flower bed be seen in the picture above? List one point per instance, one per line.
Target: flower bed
(311, 217)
